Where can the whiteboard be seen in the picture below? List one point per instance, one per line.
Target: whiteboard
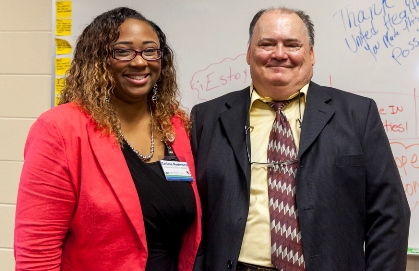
(368, 47)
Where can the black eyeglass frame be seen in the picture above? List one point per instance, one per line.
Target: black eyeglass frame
(161, 52)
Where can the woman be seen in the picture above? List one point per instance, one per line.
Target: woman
(92, 194)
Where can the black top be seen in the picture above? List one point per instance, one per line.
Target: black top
(168, 208)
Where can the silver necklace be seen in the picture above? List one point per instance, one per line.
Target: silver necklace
(145, 158)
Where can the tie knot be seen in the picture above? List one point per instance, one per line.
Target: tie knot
(278, 105)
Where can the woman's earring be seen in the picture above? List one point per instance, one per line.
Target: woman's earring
(107, 99)
(154, 96)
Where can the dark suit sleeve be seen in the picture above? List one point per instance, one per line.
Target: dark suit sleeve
(388, 213)
(199, 261)
(194, 139)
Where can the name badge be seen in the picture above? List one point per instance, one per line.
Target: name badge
(176, 171)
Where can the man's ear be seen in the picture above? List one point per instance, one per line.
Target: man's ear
(248, 55)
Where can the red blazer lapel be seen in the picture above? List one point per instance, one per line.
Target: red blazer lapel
(112, 162)
(181, 145)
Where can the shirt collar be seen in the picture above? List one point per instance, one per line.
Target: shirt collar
(254, 95)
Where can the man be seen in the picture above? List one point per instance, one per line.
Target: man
(349, 209)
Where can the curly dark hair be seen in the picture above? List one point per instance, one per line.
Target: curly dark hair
(89, 81)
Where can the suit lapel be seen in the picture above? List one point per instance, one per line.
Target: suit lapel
(112, 162)
(233, 121)
(316, 116)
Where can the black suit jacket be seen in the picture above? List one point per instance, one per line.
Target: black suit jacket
(348, 186)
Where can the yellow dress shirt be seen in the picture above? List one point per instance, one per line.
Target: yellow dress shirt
(256, 246)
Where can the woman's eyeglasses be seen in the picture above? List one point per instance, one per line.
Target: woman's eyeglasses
(148, 54)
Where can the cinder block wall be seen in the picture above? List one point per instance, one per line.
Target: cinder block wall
(25, 92)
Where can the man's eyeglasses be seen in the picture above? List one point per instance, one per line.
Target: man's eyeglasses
(148, 54)
(274, 165)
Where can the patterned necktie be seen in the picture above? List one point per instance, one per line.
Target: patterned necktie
(287, 250)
